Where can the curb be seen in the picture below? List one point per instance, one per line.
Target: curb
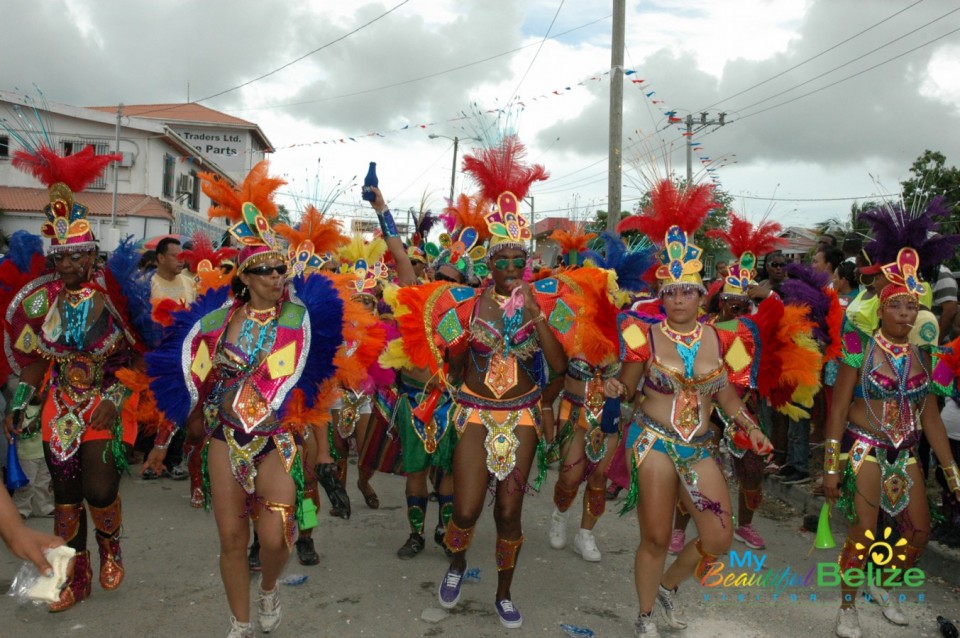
(936, 560)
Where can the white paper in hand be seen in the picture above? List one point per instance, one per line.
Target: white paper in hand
(47, 588)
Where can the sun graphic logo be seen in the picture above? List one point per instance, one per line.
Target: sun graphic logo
(880, 551)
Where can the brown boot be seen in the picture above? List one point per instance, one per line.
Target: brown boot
(78, 584)
(108, 521)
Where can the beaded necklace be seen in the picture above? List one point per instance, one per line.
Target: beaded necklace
(898, 414)
(267, 321)
(686, 343)
(76, 311)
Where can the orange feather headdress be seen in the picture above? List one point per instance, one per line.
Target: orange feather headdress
(250, 207)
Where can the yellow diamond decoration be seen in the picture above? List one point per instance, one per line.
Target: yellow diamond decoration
(737, 357)
(27, 341)
(201, 362)
(282, 362)
(634, 337)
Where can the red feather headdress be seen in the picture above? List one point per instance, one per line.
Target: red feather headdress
(66, 226)
(746, 243)
(505, 179)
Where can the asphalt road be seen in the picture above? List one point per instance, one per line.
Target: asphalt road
(360, 588)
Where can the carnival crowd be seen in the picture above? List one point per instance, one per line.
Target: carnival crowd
(255, 367)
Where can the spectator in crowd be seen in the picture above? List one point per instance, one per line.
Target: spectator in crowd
(826, 259)
(826, 240)
(851, 247)
(945, 302)
(148, 261)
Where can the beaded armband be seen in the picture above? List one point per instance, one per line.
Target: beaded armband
(22, 396)
(387, 225)
(952, 474)
(831, 456)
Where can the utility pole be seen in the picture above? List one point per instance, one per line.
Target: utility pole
(116, 169)
(533, 226)
(704, 122)
(615, 160)
(453, 173)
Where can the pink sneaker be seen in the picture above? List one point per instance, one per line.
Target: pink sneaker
(677, 541)
(749, 536)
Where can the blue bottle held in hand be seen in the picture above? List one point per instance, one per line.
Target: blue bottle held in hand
(368, 181)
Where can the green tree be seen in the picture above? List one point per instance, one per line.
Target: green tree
(931, 177)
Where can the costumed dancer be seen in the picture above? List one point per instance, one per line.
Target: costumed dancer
(881, 406)
(746, 243)
(314, 230)
(681, 367)
(584, 446)
(86, 327)
(496, 341)
(363, 262)
(206, 265)
(423, 406)
(250, 368)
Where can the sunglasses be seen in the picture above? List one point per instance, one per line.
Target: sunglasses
(264, 271)
(516, 262)
(777, 264)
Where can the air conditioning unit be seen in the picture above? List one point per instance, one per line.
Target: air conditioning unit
(185, 184)
(127, 160)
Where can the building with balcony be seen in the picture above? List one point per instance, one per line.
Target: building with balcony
(164, 148)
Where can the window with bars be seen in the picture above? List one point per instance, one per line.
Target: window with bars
(100, 147)
(4, 147)
(169, 173)
(195, 196)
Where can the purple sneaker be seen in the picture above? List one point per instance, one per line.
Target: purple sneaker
(509, 615)
(449, 593)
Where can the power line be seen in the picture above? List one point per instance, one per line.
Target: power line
(422, 77)
(306, 55)
(850, 77)
(859, 57)
(542, 40)
(810, 59)
(817, 199)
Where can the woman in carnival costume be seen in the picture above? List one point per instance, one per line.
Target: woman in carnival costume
(362, 263)
(746, 243)
(497, 341)
(250, 368)
(204, 262)
(583, 444)
(422, 410)
(86, 328)
(681, 367)
(314, 230)
(880, 407)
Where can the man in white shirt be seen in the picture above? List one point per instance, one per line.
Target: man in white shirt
(168, 282)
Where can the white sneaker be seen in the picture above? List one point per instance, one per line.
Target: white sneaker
(240, 629)
(646, 627)
(586, 545)
(668, 609)
(558, 529)
(889, 603)
(269, 607)
(848, 623)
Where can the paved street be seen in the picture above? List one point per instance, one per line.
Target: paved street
(360, 588)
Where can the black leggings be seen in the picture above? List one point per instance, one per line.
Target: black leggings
(90, 475)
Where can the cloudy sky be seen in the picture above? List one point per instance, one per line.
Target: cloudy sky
(825, 100)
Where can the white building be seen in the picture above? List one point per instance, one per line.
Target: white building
(164, 147)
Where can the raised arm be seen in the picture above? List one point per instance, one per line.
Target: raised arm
(405, 273)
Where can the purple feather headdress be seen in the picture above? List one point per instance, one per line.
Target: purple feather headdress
(893, 228)
(804, 286)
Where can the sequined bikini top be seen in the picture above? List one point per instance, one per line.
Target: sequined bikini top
(881, 387)
(485, 339)
(666, 379)
(582, 371)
